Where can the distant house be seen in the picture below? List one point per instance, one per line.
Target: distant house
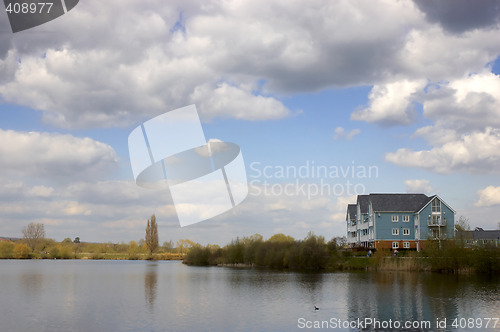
(398, 221)
(480, 237)
(8, 238)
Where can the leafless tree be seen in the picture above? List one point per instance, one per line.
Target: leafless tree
(33, 233)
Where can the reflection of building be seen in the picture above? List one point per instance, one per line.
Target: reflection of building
(398, 220)
(480, 237)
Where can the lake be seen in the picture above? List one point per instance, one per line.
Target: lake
(88, 295)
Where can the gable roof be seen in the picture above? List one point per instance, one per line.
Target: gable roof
(351, 211)
(398, 202)
(436, 196)
(363, 201)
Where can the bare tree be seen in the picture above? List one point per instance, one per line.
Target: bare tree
(168, 245)
(151, 240)
(462, 224)
(33, 233)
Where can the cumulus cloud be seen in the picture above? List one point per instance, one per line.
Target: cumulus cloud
(478, 152)
(458, 16)
(237, 102)
(118, 210)
(54, 156)
(391, 103)
(466, 104)
(117, 63)
(488, 196)
(464, 135)
(340, 133)
(418, 186)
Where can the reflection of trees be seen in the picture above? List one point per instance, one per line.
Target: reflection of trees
(32, 283)
(311, 285)
(150, 284)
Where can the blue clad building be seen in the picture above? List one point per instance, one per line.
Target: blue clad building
(398, 221)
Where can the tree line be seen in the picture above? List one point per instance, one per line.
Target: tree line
(313, 253)
(35, 244)
(279, 251)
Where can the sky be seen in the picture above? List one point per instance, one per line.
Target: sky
(387, 96)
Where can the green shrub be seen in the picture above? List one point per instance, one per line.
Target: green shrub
(21, 251)
(6, 249)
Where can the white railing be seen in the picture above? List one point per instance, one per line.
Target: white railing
(440, 222)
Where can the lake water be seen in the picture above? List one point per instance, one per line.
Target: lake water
(47, 295)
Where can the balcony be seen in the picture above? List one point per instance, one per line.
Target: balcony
(436, 223)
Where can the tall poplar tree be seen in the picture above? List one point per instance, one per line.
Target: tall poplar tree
(151, 240)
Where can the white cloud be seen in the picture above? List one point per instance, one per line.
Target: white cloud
(118, 210)
(418, 186)
(488, 196)
(41, 191)
(464, 136)
(466, 104)
(118, 63)
(237, 102)
(478, 152)
(53, 156)
(341, 133)
(391, 103)
(434, 54)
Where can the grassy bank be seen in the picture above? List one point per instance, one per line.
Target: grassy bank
(314, 254)
(50, 249)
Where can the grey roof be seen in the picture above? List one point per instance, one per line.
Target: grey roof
(399, 202)
(351, 210)
(363, 203)
(480, 234)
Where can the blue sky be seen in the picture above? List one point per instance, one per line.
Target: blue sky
(397, 86)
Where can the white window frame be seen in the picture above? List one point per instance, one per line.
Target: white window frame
(395, 245)
(406, 218)
(395, 231)
(406, 245)
(395, 218)
(406, 231)
(436, 206)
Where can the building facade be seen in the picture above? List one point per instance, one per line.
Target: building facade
(479, 238)
(398, 221)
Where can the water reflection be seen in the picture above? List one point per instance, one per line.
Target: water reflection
(169, 296)
(406, 296)
(150, 284)
(31, 283)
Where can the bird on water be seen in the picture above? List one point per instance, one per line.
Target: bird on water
(316, 308)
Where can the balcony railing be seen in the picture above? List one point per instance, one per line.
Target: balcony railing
(441, 222)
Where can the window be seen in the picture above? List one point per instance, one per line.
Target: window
(406, 245)
(395, 231)
(436, 206)
(395, 219)
(406, 218)
(436, 220)
(395, 245)
(406, 231)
